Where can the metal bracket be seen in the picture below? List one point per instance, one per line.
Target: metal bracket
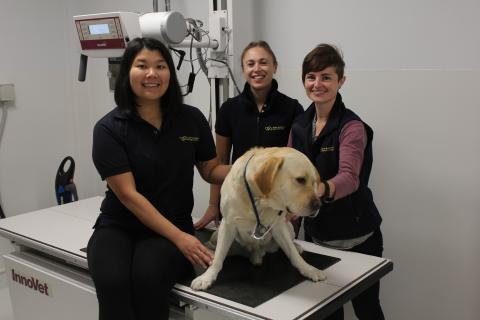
(218, 30)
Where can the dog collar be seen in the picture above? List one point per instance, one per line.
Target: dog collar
(260, 230)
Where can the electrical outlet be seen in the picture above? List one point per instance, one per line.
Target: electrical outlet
(7, 92)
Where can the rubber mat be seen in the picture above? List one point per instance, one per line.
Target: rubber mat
(250, 285)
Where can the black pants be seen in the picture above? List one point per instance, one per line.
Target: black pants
(134, 273)
(367, 304)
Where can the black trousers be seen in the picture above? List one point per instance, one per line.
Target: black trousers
(133, 273)
(367, 304)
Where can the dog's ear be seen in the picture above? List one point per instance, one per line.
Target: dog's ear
(267, 173)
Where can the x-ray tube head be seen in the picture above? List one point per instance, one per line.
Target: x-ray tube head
(168, 27)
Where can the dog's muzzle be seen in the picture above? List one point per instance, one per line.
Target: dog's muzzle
(314, 207)
(315, 204)
(314, 214)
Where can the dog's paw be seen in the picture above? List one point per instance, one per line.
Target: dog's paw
(313, 273)
(202, 282)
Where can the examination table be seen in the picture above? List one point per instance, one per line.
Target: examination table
(48, 275)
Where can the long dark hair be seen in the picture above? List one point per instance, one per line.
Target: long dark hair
(124, 95)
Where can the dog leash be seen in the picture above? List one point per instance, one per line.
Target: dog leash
(260, 230)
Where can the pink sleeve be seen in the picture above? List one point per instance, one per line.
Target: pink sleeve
(353, 141)
(289, 143)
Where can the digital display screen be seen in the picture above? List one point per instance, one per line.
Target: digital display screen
(99, 28)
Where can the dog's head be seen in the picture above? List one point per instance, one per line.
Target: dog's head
(287, 180)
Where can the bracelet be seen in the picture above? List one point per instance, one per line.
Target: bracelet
(212, 205)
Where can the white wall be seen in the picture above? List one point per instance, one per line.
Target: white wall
(412, 74)
(39, 130)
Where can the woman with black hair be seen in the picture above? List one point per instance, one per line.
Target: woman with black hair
(146, 149)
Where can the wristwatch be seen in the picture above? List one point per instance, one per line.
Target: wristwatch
(326, 195)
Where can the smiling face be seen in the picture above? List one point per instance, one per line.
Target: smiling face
(149, 76)
(258, 68)
(322, 86)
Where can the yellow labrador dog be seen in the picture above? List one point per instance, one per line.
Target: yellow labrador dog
(263, 186)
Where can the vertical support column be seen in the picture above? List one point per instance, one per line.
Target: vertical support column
(218, 23)
(229, 7)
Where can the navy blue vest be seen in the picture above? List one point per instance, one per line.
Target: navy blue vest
(356, 214)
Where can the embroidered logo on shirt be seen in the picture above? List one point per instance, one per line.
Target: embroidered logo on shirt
(191, 139)
(327, 149)
(274, 128)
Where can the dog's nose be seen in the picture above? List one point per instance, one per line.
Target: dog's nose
(315, 204)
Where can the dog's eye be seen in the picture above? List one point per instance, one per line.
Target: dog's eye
(301, 180)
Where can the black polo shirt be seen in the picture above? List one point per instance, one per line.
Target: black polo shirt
(240, 120)
(161, 161)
